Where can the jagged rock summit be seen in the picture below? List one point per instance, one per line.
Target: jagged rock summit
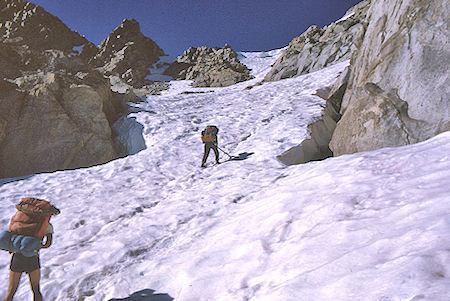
(24, 23)
(318, 48)
(128, 54)
(210, 67)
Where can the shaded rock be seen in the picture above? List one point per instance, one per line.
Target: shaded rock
(121, 100)
(209, 67)
(176, 68)
(56, 110)
(54, 122)
(10, 62)
(398, 90)
(87, 52)
(128, 54)
(318, 48)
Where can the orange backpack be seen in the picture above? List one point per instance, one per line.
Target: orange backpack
(32, 217)
(209, 134)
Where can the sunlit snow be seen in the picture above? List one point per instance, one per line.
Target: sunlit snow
(350, 14)
(367, 226)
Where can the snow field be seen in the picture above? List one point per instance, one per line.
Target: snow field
(367, 226)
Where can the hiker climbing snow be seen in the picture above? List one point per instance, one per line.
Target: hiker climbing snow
(209, 139)
(29, 231)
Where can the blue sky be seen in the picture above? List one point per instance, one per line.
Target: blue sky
(175, 25)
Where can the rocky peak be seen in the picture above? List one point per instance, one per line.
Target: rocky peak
(128, 54)
(24, 23)
(128, 31)
(319, 47)
(128, 26)
(210, 67)
(208, 54)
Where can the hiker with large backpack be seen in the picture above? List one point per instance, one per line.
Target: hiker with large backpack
(31, 223)
(209, 139)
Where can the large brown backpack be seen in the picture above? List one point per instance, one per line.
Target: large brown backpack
(32, 217)
(209, 134)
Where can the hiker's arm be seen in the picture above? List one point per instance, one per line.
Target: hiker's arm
(48, 240)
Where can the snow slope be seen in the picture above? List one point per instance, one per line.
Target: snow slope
(368, 226)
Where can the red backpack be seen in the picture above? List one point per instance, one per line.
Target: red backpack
(32, 217)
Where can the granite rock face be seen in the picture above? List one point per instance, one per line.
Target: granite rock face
(56, 110)
(57, 105)
(54, 122)
(398, 90)
(128, 54)
(210, 67)
(318, 48)
(398, 85)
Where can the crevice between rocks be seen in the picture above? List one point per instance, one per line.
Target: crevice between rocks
(317, 147)
(127, 132)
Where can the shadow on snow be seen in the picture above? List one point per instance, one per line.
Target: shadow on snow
(9, 180)
(146, 295)
(241, 156)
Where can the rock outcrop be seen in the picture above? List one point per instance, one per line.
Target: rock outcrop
(56, 110)
(127, 54)
(209, 67)
(398, 91)
(53, 121)
(318, 48)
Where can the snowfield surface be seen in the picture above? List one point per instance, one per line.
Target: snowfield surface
(367, 226)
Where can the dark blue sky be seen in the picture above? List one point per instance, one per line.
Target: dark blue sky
(175, 25)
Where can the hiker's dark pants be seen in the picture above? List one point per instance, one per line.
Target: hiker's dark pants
(208, 147)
